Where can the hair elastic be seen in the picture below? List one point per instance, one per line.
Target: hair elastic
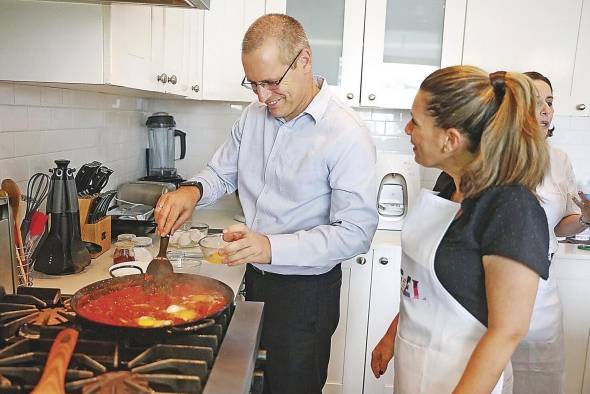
(498, 81)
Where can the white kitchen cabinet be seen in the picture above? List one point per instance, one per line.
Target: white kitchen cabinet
(579, 101)
(384, 305)
(120, 45)
(51, 42)
(405, 41)
(573, 276)
(498, 40)
(225, 25)
(195, 61)
(369, 301)
(335, 32)
(377, 52)
(345, 371)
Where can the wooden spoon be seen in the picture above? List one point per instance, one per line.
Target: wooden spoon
(53, 379)
(160, 265)
(21, 265)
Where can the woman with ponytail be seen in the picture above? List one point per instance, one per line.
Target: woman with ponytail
(472, 254)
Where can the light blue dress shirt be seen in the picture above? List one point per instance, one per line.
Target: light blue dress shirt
(308, 183)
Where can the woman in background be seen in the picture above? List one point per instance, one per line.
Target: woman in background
(472, 255)
(539, 360)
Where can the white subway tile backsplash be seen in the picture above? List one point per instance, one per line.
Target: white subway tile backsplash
(580, 123)
(27, 95)
(379, 128)
(39, 118)
(6, 145)
(383, 116)
(84, 118)
(6, 93)
(61, 118)
(27, 143)
(15, 168)
(13, 118)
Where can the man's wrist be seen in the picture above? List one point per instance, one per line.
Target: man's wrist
(197, 185)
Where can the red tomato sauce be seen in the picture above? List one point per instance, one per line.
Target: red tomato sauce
(133, 307)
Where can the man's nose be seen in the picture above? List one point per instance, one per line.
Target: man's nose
(263, 94)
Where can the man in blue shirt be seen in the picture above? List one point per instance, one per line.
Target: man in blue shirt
(304, 165)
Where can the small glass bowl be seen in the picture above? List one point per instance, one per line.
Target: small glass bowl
(188, 263)
(210, 246)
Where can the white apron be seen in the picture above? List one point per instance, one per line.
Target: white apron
(539, 360)
(436, 335)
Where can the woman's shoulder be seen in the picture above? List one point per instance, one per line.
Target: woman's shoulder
(509, 197)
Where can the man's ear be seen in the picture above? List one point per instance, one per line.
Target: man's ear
(304, 59)
(455, 140)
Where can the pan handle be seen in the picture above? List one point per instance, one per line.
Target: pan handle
(196, 327)
(52, 380)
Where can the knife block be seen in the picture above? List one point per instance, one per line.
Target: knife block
(98, 233)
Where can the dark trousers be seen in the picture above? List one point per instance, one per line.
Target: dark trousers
(301, 313)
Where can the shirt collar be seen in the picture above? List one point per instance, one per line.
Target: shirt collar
(319, 103)
(317, 107)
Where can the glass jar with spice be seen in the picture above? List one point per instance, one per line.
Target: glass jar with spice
(124, 251)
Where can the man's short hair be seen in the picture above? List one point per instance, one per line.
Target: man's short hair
(285, 30)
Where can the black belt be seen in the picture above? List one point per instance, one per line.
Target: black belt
(258, 271)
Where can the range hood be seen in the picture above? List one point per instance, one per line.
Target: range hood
(199, 4)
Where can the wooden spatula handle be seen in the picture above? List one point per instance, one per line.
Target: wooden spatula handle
(53, 379)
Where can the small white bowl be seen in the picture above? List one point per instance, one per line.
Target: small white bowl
(128, 268)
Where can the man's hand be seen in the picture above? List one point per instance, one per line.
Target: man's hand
(246, 246)
(175, 208)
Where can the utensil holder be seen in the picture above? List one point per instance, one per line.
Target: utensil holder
(98, 233)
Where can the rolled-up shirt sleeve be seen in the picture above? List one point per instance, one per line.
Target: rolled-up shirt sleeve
(353, 212)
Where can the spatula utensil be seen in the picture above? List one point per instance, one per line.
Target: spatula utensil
(159, 269)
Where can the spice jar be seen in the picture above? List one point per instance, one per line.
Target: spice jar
(123, 252)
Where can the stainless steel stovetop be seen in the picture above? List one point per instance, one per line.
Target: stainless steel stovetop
(220, 359)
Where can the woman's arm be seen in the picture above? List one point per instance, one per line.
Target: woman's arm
(383, 352)
(570, 224)
(511, 288)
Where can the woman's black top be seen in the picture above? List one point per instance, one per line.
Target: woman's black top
(505, 221)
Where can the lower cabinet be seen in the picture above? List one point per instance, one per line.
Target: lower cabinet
(369, 300)
(573, 278)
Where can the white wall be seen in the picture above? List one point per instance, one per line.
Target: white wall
(39, 125)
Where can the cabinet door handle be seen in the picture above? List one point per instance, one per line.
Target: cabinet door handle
(361, 260)
(383, 261)
(350, 96)
(163, 78)
(173, 79)
(195, 88)
(372, 97)
(581, 107)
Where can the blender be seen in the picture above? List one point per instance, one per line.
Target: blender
(161, 148)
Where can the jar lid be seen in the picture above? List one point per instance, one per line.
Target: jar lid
(126, 237)
(125, 244)
(142, 241)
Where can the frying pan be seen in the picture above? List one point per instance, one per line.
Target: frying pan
(203, 283)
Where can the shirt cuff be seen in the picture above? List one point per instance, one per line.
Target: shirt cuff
(283, 248)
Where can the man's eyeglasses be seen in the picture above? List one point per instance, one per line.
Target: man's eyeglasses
(268, 85)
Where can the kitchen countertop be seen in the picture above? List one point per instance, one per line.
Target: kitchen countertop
(218, 216)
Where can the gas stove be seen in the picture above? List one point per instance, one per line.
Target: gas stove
(219, 359)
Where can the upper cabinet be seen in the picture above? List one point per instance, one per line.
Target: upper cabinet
(377, 52)
(559, 49)
(134, 46)
(225, 25)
